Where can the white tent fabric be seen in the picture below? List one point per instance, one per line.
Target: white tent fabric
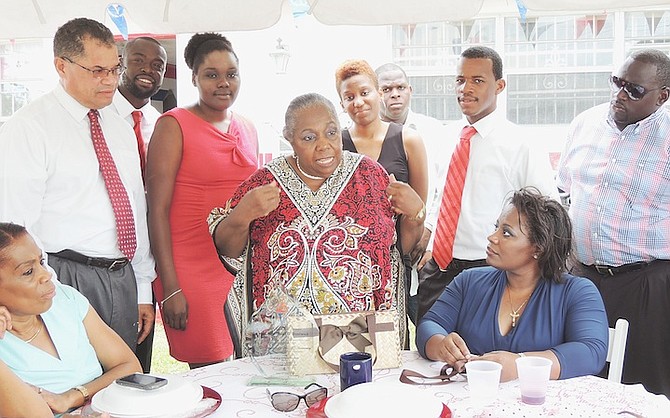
(590, 5)
(383, 12)
(41, 18)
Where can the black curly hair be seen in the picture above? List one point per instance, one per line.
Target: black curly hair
(201, 44)
(549, 228)
(479, 51)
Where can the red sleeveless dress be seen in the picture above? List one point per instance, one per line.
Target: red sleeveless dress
(213, 165)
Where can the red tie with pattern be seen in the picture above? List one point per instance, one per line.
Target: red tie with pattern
(137, 127)
(450, 207)
(125, 223)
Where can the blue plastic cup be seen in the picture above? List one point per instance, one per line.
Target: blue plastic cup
(355, 368)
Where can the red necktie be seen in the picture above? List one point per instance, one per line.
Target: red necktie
(450, 207)
(123, 213)
(137, 127)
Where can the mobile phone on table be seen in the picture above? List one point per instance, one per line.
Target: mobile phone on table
(142, 381)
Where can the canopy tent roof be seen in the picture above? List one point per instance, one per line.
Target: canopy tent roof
(41, 18)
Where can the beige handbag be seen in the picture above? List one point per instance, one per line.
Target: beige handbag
(315, 343)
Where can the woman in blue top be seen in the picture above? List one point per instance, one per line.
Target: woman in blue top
(52, 343)
(525, 302)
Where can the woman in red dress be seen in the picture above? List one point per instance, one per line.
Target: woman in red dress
(198, 155)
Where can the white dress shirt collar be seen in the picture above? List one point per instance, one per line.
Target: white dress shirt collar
(488, 123)
(71, 105)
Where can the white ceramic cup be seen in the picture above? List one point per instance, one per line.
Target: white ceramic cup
(483, 380)
(534, 375)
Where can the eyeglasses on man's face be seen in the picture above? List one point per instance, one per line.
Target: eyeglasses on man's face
(99, 72)
(634, 91)
(287, 401)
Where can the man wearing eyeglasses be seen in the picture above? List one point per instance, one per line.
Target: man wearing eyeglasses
(144, 61)
(616, 168)
(70, 172)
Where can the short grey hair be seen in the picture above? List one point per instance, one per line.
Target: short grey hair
(305, 101)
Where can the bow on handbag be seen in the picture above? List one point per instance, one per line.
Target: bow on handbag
(330, 335)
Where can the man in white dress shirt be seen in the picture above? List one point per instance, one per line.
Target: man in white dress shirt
(145, 60)
(502, 159)
(396, 92)
(51, 181)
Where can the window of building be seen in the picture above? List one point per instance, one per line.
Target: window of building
(555, 66)
(26, 72)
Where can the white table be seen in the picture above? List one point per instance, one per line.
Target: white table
(587, 396)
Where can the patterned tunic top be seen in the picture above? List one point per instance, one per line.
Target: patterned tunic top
(331, 249)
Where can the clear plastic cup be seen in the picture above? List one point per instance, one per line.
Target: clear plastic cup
(483, 380)
(534, 375)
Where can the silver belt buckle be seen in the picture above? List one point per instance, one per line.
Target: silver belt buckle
(116, 263)
(604, 270)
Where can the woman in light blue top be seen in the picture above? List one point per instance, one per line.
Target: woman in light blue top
(51, 341)
(524, 303)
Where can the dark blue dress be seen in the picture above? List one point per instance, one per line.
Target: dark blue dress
(568, 318)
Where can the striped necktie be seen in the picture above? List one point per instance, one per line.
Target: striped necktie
(450, 207)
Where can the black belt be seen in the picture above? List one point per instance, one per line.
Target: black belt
(111, 264)
(611, 271)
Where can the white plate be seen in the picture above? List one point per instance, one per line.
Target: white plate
(383, 399)
(178, 396)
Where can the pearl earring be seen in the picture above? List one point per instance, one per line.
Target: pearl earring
(535, 256)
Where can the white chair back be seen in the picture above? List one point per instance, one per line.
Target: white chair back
(617, 349)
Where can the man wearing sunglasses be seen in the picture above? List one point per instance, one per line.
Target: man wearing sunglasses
(70, 172)
(616, 168)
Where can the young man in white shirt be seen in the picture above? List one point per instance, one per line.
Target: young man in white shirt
(145, 61)
(501, 160)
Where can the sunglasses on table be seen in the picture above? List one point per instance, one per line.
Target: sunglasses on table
(634, 91)
(287, 401)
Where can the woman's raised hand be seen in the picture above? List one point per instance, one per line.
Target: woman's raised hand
(260, 201)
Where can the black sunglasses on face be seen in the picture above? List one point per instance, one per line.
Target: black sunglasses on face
(634, 91)
(287, 401)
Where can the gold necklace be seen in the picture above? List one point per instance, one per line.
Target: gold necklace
(515, 312)
(39, 329)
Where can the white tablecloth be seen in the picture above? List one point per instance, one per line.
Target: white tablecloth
(586, 396)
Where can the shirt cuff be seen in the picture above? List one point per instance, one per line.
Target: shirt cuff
(144, 293)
